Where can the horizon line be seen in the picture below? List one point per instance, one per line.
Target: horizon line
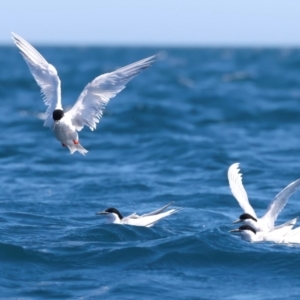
(157, 45)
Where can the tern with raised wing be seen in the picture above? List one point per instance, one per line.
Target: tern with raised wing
(147, 220)
(249, 217)
(89, 107)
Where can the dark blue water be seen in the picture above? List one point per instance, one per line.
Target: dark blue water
(169, 136)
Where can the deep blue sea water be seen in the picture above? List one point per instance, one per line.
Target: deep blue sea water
(169, 136)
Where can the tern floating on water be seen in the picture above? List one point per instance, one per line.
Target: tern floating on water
(147, 220)
(284, 235)
(89, 107)
(265, 223)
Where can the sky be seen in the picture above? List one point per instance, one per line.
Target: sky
(153, 22)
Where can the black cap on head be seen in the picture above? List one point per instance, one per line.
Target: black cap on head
(247, 227)
(57, 114)
(247, 216)
(115, 211)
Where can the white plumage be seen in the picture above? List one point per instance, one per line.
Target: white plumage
(147, 220)
(265, 223)
(89, 107)
(283, 235)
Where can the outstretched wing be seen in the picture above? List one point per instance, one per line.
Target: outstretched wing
(148, 221)
(156, 212)
(44, 74)
(90, 105)
(279, 202)
(238, 190)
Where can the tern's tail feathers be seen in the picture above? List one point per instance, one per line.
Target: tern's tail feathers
(81, 150)
(285, 229)
(77, 147)
(289, 223)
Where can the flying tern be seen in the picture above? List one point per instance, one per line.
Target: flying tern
(114, 216)
(265, 223)
(89, 107)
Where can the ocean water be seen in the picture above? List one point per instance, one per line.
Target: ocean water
(170, 136)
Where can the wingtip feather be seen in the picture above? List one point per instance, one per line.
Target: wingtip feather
(234, 170)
